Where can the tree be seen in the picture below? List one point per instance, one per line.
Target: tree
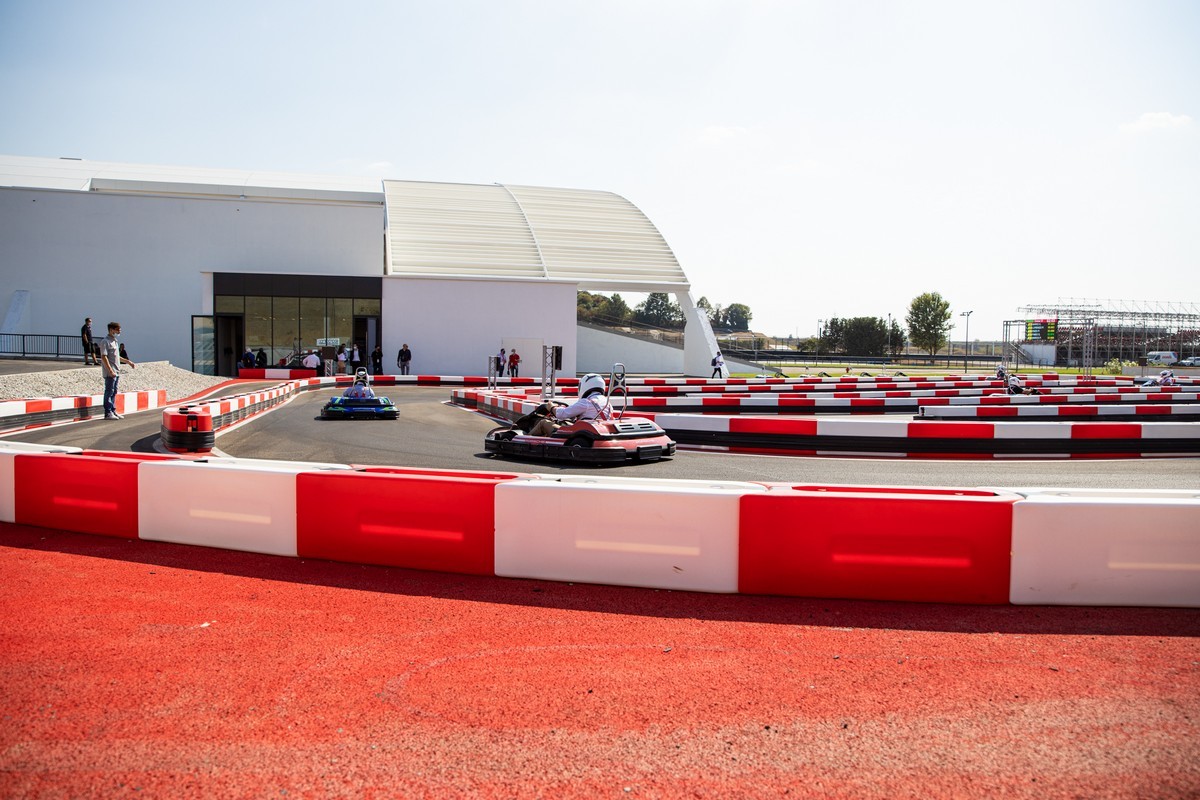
(928, 322)
(659, 310)
(618, 309)
(866, 336)
(738, 317)
(612, 310)
(708, 310)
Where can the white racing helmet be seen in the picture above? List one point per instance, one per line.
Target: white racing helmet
(1166, 373)
(590, 384)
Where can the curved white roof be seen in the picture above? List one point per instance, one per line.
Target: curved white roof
(596, 239)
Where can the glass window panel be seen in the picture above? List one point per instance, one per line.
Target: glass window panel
(228, 304)
(204, 350)
(286, 311)
(312, 320)
(341, 319)
(367, 308)
(258, 326)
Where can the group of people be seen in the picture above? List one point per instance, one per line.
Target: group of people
(109, 355)
(510, 360)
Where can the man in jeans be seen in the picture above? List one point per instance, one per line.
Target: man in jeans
(110, 361)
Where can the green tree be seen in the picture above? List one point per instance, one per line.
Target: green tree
(866, 336)
(708, 310)
(738, 316)
(659, 310)
(928, 322)
(618, 310)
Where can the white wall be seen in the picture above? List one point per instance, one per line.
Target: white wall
(599, 349)
(453, 325)
(139, 259)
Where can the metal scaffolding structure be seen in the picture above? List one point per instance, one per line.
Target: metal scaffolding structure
(1093, 332)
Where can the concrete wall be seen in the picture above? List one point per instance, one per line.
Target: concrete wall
(452, 326)
(599, 348)
(141, 260)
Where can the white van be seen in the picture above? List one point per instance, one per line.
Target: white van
(1161, 358)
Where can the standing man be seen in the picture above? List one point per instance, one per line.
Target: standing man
(89, 344)
(501, 361)
(402, 359)
(110, 358)
(377, 360)
(514, 363)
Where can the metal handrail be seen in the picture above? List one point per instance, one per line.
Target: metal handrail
(41, 345)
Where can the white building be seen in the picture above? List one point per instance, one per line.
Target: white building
(199, 263)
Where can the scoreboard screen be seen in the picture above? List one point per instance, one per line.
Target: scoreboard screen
(1040, 330)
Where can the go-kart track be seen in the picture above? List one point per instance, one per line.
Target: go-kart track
(444, 632)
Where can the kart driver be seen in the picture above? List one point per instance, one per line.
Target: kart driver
(592, 404)
(361, 389)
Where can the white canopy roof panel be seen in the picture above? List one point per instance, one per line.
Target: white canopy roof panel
(596, 239)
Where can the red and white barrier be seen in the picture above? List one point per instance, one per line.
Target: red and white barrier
(234, 504)
(877, 543)
(890, 543)
(82, 492)
(422, 519)
(1128, 548)
(625, 531)
(8, 489)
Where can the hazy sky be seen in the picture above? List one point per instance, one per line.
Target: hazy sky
(808, 159)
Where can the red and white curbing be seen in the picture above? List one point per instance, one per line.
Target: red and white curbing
(991, 546)
(18, 415)
(894, 437)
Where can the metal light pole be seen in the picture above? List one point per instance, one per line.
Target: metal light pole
(967, 342)
(889, 346)
(820, 325)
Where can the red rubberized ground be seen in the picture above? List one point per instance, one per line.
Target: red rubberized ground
(142, 669)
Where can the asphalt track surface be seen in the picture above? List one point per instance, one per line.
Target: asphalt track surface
(145, 669)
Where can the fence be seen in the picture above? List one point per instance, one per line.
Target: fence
(40, 345)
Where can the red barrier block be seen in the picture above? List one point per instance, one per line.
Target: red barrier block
(394, 518)
(75, 492)
(877, 543)
(793, 427)
(951, 430)
(1106, 430)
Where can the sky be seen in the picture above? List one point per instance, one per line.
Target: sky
(807, 159)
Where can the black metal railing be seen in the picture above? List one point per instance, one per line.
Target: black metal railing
(40, 345)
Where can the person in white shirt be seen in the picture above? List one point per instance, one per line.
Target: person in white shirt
(592, 404)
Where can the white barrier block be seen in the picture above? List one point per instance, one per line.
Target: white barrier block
(1171, 430)
(1032, 430)
(8, 452)
(229, 504)
(629, 532)
(690, 422)
(1107, 548)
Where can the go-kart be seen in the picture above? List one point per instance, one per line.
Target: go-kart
(593, 441)
(342, 407)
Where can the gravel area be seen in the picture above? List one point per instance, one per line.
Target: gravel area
(147, 376)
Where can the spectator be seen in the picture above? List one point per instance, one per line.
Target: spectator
(514, 363)
(377, 360)
(248, 358)
(111, 358)
(89, 344)
(355, 357)
(403, 358)
(501, 360)
(718, 364)
(260, 358)
(341, 360)
(312, 361)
